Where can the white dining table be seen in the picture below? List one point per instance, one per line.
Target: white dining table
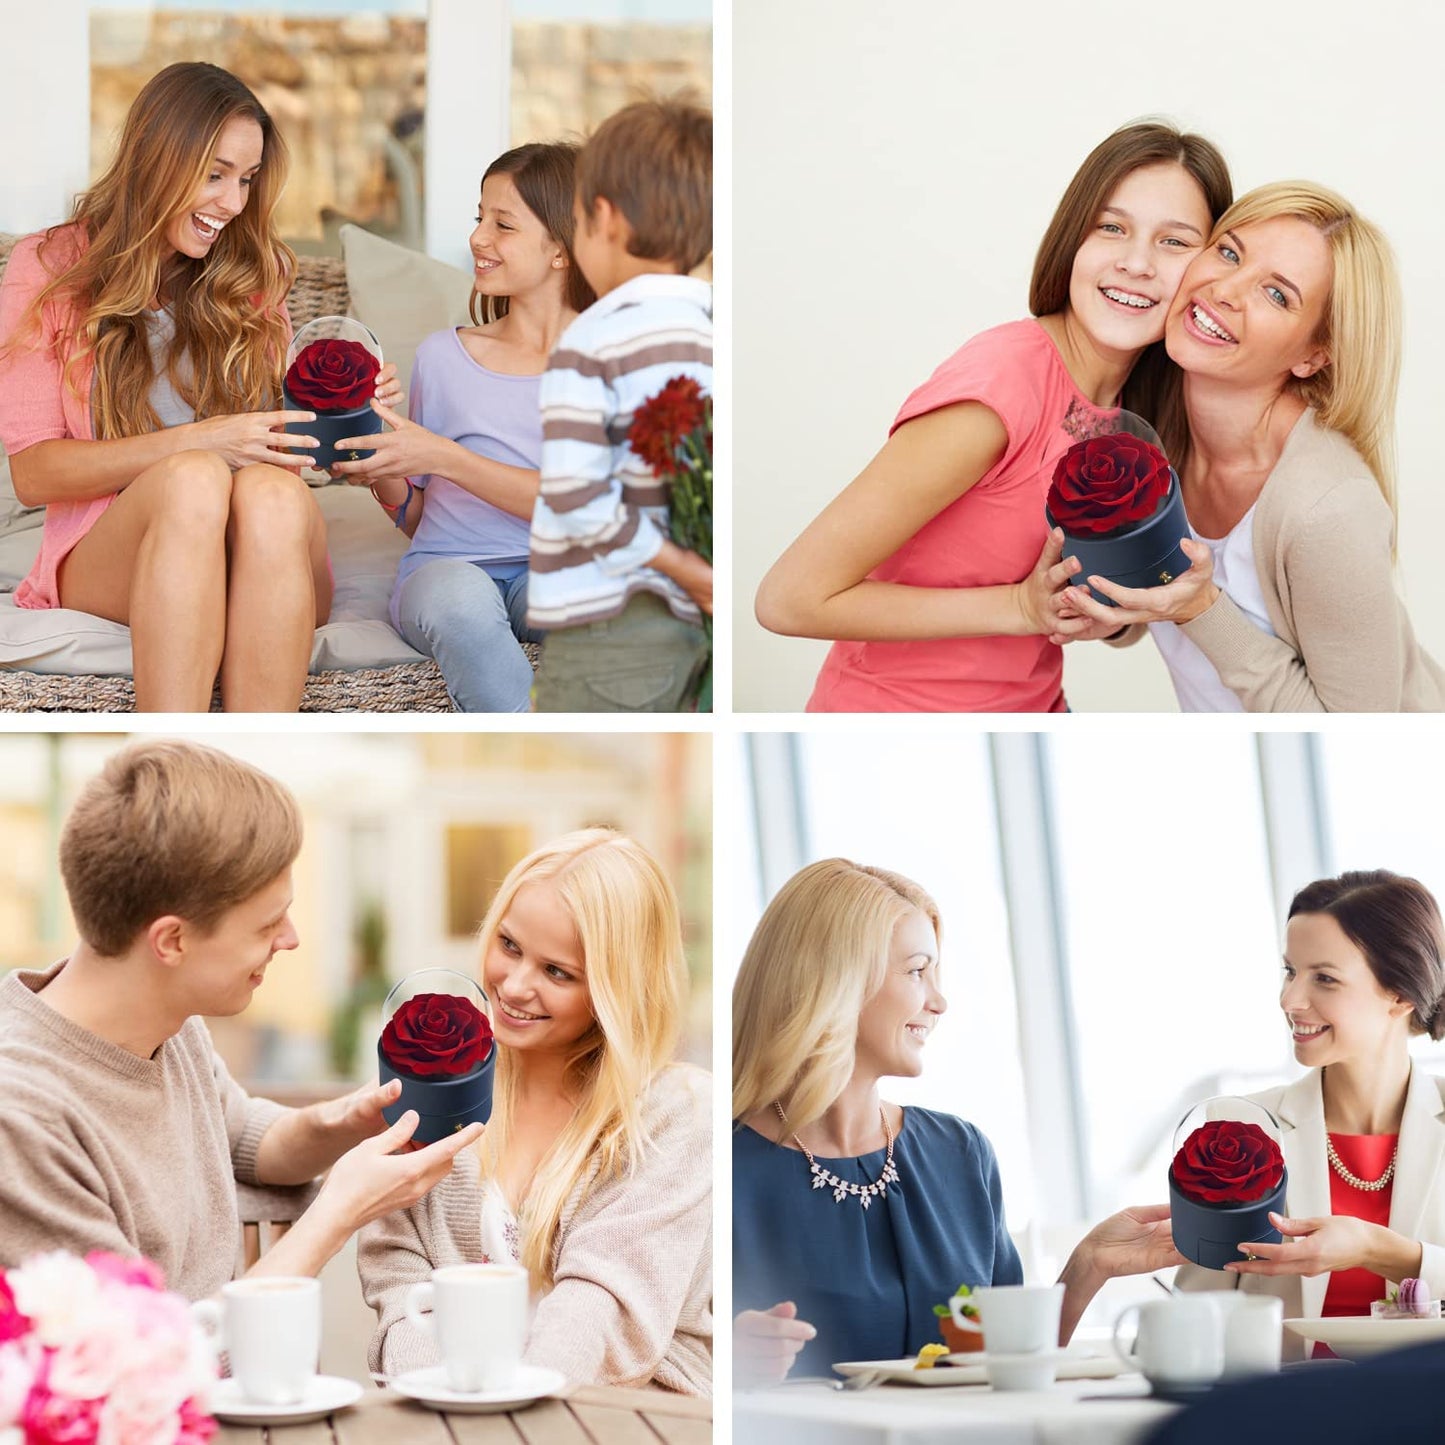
(1071, 1412)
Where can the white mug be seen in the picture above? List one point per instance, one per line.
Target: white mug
(1020, 1319)
(1180, 1340)
(1253, 1331)
(479, 1317)
(270, 1326)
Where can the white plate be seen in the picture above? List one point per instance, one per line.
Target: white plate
(429, 1387)
(968, 1369)
(325, 1395)
(1353, 1337)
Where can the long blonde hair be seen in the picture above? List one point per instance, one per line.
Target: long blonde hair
(1354, 393)
(816, 957)
(227, 306)
(626, 916)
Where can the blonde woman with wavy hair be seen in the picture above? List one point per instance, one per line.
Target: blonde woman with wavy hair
(1287, 327)
(853, 1216)
(141, 351)
(594, 1173)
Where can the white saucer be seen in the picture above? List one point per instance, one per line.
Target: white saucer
(429, 1387)
(325, 1395)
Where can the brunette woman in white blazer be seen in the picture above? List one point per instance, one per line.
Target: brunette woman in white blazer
(1363, 1133)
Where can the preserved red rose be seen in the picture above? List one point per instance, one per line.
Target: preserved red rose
(333, 375)
(1107, 483)
(1227, 1162)
(437, 1035)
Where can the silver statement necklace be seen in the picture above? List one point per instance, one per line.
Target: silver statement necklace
(842, 1188)
(1370, 1186)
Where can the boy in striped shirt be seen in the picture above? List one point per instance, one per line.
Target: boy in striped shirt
(622, 604)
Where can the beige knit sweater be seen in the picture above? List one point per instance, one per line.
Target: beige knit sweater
(100, 1149)
(1343, 639)
(632, 1302)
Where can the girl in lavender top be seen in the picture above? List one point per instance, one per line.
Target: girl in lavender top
(460, 477)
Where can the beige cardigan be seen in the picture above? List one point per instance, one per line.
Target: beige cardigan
(1343, 641)
(1417, 1196)
(632, 1301)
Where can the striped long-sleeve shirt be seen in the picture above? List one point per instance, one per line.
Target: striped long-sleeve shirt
(601, 515)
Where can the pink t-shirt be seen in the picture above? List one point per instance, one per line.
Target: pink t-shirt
(991, 535)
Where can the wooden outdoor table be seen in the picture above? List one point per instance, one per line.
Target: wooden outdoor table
(590, 1415)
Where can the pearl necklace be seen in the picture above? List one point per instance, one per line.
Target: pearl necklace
(842, 1188)
(1370, 1186)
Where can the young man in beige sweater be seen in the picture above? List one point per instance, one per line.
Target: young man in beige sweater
(120, 1127)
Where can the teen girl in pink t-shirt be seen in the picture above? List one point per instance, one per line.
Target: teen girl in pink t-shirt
(934, 568)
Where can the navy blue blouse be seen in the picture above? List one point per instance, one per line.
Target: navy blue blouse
(868, 1279)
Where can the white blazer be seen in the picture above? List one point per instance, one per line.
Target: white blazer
(1417, 1201)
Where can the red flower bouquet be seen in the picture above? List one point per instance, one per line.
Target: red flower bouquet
(437, 1034)
(331, 369)
(1224, 1181)
(1118, 502)
(438, 1042)
(672, 433)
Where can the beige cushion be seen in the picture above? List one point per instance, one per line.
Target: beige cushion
(365, 549)
(402, 295)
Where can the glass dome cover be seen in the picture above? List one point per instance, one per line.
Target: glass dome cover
(436, 1038)
(331, 370)
(1226, 1177)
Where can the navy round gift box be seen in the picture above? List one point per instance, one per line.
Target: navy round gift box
(329, 428)
(444, 1104)
(1147, 555)
(1210, 1234)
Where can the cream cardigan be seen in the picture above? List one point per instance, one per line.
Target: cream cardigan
(632, 1301)
(1343, 641)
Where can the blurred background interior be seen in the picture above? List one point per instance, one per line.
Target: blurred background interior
(1113, 905)
(391, 108)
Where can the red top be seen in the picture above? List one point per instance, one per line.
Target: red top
(1366, 1156)
(991, 535)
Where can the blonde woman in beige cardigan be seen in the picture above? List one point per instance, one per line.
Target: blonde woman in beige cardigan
(595, 1170)
(1287, 328)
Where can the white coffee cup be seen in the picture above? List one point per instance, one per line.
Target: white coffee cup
(270, 1327)
(1020, 1334)
(1253, 1331)
(1180, 1340)
(478, 1313)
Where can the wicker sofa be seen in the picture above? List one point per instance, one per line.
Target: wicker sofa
(358, 662)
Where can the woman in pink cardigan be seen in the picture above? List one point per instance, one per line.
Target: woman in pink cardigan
(141, 349)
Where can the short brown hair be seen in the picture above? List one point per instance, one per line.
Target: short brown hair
(1154, 389)
(545, 176)
(653, 161)
(1395, 922)
(172, 828)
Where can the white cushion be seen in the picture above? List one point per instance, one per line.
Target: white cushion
(365, 549)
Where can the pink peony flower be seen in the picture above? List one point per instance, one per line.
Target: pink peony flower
(13, 1324)
(55, 1420)
(19, 1364)
(126, 1271)
(196, 1426)
(90, 1365)
(143, 1411)
(58, 1292)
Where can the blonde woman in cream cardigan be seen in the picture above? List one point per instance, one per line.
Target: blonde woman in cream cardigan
(1363, 1132)
(595, 1171)
(1287, 329)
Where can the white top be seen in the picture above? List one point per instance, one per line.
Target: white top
(1196, 683)
(501, 1235)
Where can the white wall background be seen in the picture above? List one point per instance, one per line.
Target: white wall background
(895, 167)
